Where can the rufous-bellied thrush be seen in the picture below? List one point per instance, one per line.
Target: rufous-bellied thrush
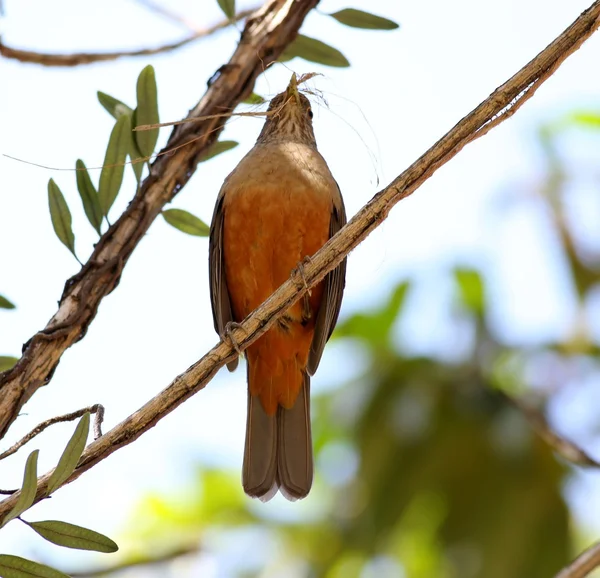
(280, 205)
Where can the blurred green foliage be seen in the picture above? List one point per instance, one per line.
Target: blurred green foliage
(423, 470)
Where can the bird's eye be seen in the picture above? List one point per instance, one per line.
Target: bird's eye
(310, 113)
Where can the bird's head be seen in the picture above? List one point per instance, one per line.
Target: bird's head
(289, 117)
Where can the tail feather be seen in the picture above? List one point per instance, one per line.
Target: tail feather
(294, 446)
(259, 472)
(278, 452)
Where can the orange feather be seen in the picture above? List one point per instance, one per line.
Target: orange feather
(266, 233)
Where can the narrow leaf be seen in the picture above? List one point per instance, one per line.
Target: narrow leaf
(111, 176)
(366, 20)
(72, 536)
(471, 289)
(5, 303)
(228, 7)
(7, 362)
(61, 216)
(147, 111)
(17, 567)
(186, 222)
(587, 119)
(314, 50)
(89, 196)
(71, 454)
(254, 99)
(28, 489)
(221, 146)
(134, 152)
(115, 107)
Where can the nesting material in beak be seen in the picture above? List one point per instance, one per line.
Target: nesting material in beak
(292, 89)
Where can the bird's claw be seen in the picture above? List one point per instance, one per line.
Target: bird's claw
(228, 335)
(299, 272)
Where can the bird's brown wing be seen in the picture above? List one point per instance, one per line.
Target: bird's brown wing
(219, 294)
(332, 293)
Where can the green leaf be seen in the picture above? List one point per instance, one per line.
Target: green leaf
(89, 196)
(111, 176)
(228, 7)
(28, 489)
(147, 111)
(586, 119)
(134, 152)
(186, 222)
(115, 107)
(71, 454)
(221, 146)
(61, 216)
(72, 536)
(375, 328)
(7, 362)
(365, 20)
(17, 567)
(254, 99)
(314, 51)
(5, 303)
(471, 289)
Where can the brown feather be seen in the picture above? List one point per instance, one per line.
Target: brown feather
(333, 292)
(219, 294)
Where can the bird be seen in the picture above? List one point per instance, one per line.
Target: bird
(277, 208)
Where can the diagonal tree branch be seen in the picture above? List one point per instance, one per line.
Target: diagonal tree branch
(500, 105)
(583, 565)
(96, 409)
(150, 561)
(565, 448)
(266, 34)
(79, 58)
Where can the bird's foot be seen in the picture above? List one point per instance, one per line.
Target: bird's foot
(228, 335)
(299, 272)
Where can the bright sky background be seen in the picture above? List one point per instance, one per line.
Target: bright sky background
(404, 90)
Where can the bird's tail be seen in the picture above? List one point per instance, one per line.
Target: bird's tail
(278, 452)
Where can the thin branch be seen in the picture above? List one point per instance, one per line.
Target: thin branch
(265, 36)
(583, 565)
(562, 446)
(166, 13)
(96, 409)
(334, 251)
(145, 561)
(80, 58)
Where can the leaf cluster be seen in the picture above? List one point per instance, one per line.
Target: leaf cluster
(57, 532)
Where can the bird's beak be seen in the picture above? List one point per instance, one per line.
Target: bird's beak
(292, 89)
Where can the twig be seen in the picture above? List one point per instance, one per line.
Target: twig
(562, 446)
(583, 565)
(96, 409)
(265, 36)
(80, 58)
(98, 421)
(165, 13)
(149, 561)
(334, 251)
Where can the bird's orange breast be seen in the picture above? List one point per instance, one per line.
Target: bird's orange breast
(267, 231)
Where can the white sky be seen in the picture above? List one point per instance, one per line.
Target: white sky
(410, 85)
